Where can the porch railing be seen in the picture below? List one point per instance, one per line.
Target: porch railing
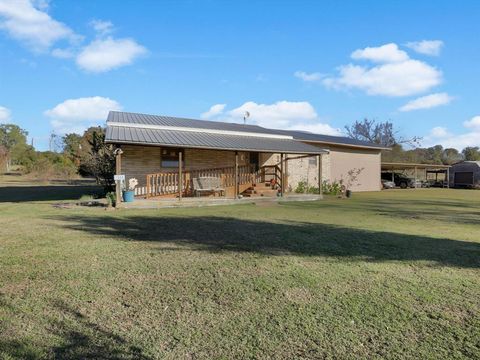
(167, 183)
(271, 172)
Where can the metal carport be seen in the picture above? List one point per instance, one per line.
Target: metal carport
(417, 169)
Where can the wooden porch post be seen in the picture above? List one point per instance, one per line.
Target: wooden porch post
(416, 174)
(282, 182)
(236, 175)
(448, 178)
(180, 175)
(118, 171)
(320, 175)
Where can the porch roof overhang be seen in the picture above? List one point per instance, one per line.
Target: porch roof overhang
(207, 140)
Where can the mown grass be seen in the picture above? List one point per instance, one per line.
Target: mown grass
(394, 274)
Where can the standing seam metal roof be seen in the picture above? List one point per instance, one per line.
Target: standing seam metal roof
(205, 140)
(157, 120)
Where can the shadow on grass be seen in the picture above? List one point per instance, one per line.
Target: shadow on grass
(46, 192)
(448, 211)
(79, 339)
(217, 234)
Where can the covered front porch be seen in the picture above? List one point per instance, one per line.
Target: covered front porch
(178, 163)
(167, 173)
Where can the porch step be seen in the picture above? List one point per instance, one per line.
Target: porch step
(270, 192)
(262, 189)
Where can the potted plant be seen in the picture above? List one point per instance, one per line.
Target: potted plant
(129, 194)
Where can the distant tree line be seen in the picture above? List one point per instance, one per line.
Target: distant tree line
(69, 156)
(383, 133)
(87, 154)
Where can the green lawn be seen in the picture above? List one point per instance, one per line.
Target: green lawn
(393, 274)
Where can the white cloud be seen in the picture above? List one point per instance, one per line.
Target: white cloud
(24, 20)
(106, 54)
(473, 123)
(28, 22)
(388, 53)
(458, 142)
(440, 135)
(285, 115)
(426, 47)
(102, 27)
(63, 53)
(74, 115)
(427, 102)
(439, 132)
(397, 75)
(5, 114)
(213, 111)
(312, 77)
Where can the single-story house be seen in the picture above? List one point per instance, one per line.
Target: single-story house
(166, 153)
(465, 174)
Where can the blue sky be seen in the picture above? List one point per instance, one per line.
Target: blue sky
(310, 65)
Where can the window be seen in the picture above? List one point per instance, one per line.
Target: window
(312, 161)
(170, 158)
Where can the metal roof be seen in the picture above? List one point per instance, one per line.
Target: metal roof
(333, 140)
(468, 162)
(165, 121)
(157, 120)
(401, 166)
(206, 140)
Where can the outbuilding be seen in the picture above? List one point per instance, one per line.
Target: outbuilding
(465, 174)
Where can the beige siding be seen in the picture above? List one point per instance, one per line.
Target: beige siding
(342, 160)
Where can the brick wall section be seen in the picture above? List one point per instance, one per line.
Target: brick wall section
(306, 170)
(139, 161)
(204, 159)
(335, 166)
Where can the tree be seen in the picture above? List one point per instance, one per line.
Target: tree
(100, 160)
(434, 155)
(471, 153)
(451, 156)
(72, 147)
(3, 158)
(13, 139)
(379, 133)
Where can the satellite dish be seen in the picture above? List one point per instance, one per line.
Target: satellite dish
(245, 116)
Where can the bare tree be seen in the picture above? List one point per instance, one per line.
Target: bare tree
(381, 133)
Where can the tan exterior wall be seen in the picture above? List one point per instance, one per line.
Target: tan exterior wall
(335, 167)
(342, 160)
